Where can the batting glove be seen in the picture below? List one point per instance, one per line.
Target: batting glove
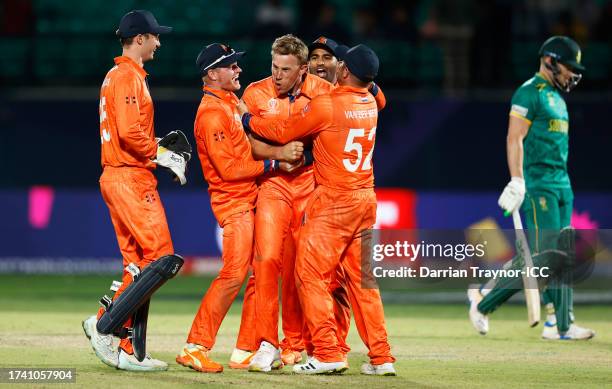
(513, 195)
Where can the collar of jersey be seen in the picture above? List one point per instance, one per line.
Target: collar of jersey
(130, 62)
(346, 88)
(221, 94)
(541, 77)
(305, 89)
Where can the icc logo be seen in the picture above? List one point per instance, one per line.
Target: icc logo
(273, 106)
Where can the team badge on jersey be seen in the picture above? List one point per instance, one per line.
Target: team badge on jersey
(543, 204)
(273, 106)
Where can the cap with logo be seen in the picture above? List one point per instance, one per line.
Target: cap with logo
(140, 21)
(362, 62)
(217, 55)
(324, 43)
(564, 50)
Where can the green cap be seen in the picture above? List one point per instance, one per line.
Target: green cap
(564, 50)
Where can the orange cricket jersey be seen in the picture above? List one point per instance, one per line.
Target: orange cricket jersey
(343, 124)
(380, 98)
(126, 117)
(225, 154)
(263, 100)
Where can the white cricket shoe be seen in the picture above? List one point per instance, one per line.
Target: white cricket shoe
(101, 344)
(130, 363)
(314, 366)
(575, 332)
(479, 321)
(240, 359)
(266, 358)
(385, 369)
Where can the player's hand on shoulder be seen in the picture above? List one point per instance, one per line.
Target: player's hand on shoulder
(292, 152)
(513, 195)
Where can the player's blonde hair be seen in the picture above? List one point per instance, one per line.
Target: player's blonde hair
(291, 45)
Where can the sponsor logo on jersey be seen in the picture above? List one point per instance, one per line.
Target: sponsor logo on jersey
(558, 125)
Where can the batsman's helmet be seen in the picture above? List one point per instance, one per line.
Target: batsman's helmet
(564, 50)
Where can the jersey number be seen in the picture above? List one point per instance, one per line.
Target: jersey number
(105, 135)
(351, 146)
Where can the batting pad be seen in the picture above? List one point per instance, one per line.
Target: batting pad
(139, 292)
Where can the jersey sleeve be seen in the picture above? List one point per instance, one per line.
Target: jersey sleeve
(127, 114)
(250, 99)
(524, 103)
(313, 118)
(212, 133)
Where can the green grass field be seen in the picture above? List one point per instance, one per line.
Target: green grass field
(435, 345)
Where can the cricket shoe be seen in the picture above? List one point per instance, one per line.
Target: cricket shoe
(385, 369)
(266, 358)
(101, 344)
(291, 357)
(314, 366)
(240, 359)
(574, 332)
(196, 357)
(130, 363)
(479, 321)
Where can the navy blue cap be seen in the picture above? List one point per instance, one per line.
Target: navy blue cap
(341, 52)
(324, 43)
(217, 55)
(362, 62)
(140, 21)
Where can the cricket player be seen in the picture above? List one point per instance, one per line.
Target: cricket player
(339, 213)
(324, 56)
(129, 188)
(230, 170)
(280, 204)
(537, 150)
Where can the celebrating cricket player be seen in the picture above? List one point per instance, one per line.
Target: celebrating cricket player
(339, 213)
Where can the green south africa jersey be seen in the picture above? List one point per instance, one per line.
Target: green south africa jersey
(546, 144)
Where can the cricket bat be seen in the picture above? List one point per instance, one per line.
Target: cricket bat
(530, 284)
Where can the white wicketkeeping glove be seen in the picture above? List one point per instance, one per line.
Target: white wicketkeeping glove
(173, 161)
(513, 195)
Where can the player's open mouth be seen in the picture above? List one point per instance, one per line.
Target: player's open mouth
(321, 72)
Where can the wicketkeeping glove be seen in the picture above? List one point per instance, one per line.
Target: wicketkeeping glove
(177, 142)
(173, 153)
(513, 195)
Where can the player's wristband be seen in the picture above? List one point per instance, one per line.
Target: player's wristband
(246, 119)
(374, 89)
(308, 157)
(270, 165)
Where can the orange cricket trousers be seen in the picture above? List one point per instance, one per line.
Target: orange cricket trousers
(237, 256)
(139, 220)
(336, 226)
(277, 220)
(342, 314)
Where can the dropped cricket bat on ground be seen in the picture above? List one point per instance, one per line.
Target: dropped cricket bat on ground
(530, 284)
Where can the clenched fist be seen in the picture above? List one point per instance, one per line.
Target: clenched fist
(292, 152)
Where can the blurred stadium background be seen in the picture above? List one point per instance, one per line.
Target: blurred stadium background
(449, 68)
